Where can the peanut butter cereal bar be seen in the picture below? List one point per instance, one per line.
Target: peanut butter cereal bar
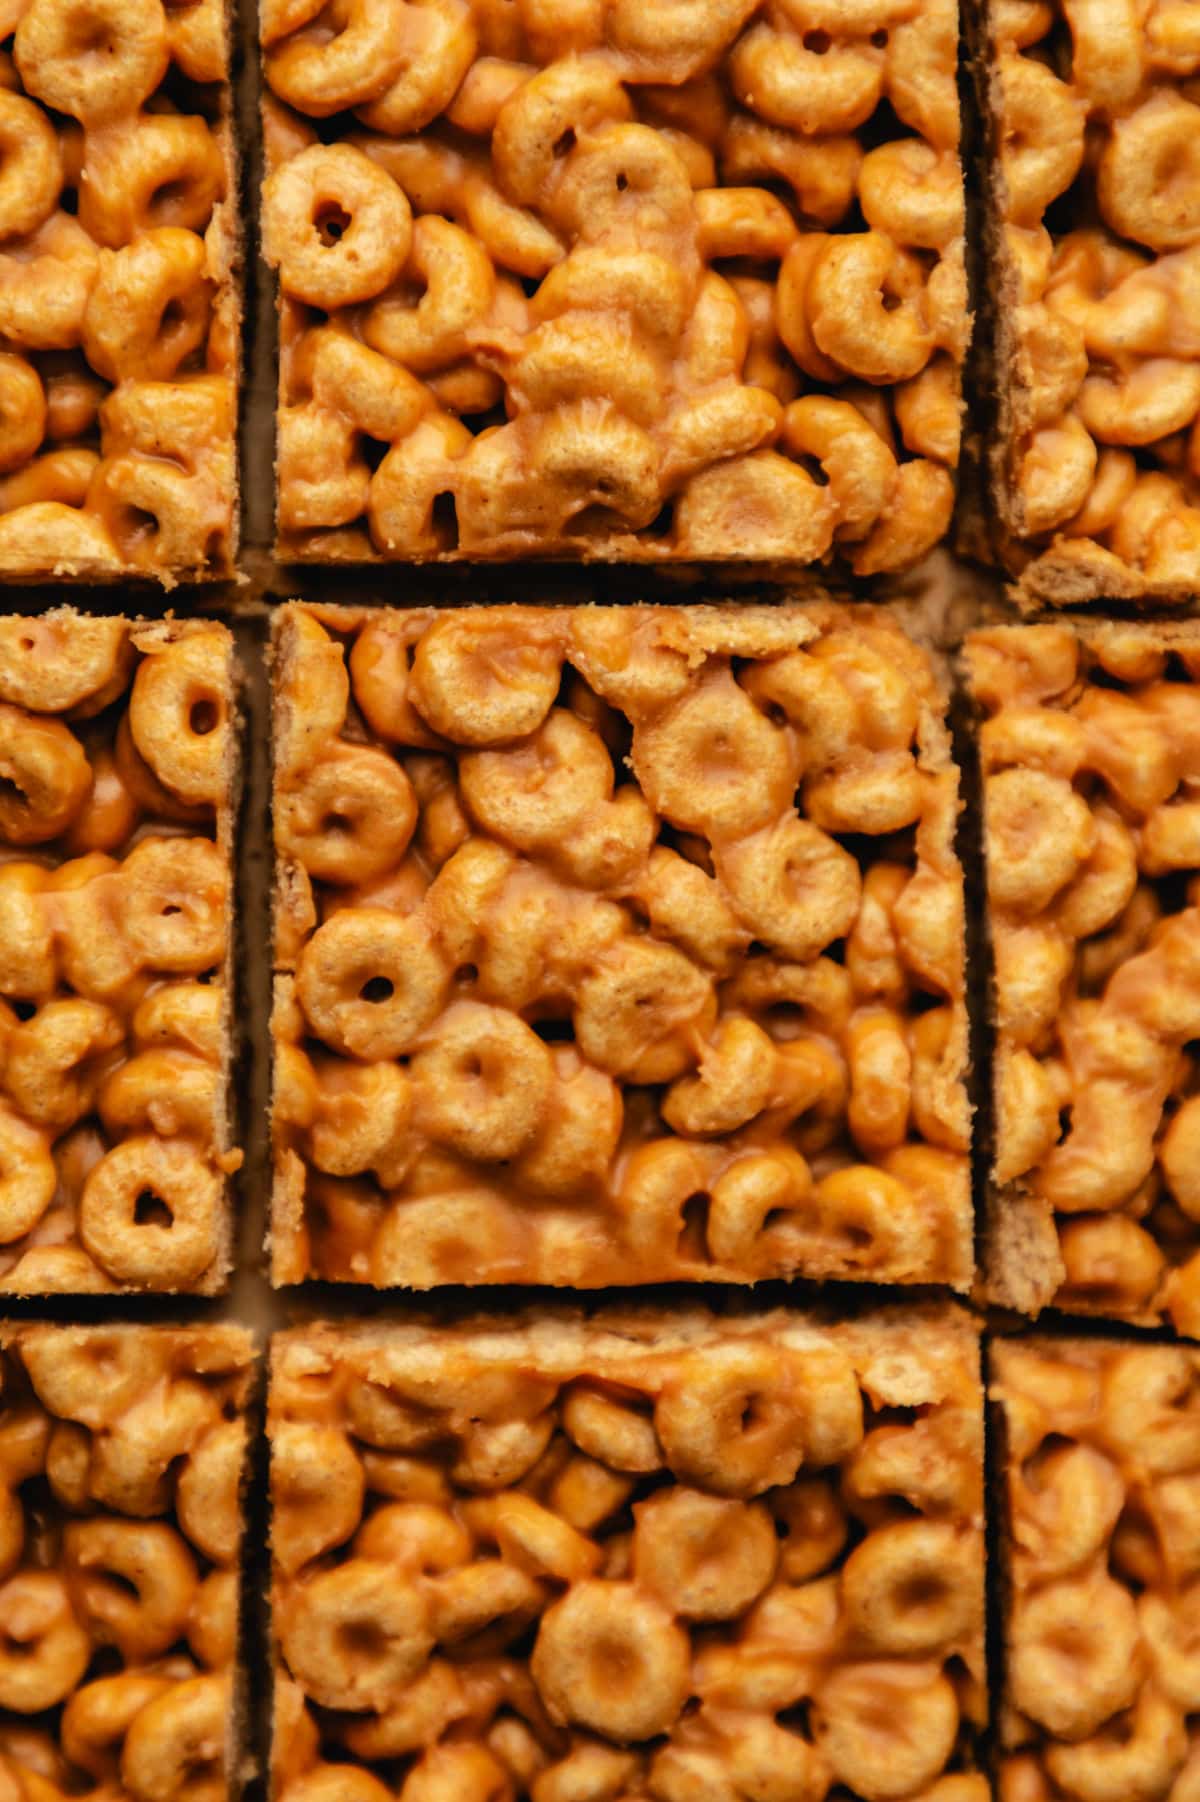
(1102, 1473)
(119, 314)
(634, 279)
(1096, 265)
(121, 1452)
(656, 1556)
(615, 944)
(1090, 750)
(116, 775)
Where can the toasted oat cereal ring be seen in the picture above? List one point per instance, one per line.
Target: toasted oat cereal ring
(355, 1636)
(45, 774)
(610, 1657)
(644, 1011)
(52, 665)
(150, 307)
(626, 181)
(94, 1379)
(370, 981)
(793, 885)
(708, 1559)
(381, 660)
(317, 1491)
(157, 515)
(818, 92)
(760, 505)
(888, 1728)
(537, 793)
(31, 172)
(160, 169)
(175, 1746)
(1043, 141)
(347, 1782)
(439, 41)
(175, 904)
(27, 1175)
(459, 285)
(336, 225)
(1148, 180)
(712, 763)
(866, 302)
(729, 1421)
(675, 40)
(760, 1187)
(612, 1428)
(207, 1491)
(483, 1082)
(545, 116)
(418, 1536)
(94, 59)
(857, 464)
(478, 683)
(352, 55)
(96, 1718)
(179, 715)
(350, 818)
(913, 1586)
(1073, 1658)
(131, 1583)
(125, 1199)
(48, 1067)
(43, 1649)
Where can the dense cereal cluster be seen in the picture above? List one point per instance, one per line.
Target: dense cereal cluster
(1103, 1549)
(616, 279)
(121, 1452)
(116, 776)
(118, 313)
(1098, 189)
(660, 1557)
(615, 944)
(1090, 750)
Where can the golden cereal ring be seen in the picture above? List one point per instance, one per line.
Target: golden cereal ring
(207, 1498)
(417, 1536)
(735, 1082)
(560, 102)
(43, 1649)
(159, 169)
(350, 818)
(533, 1537)
(46, 777)
(857, 464)
(54, 665)
(1056, 474)
(676, 41)
(440, 43)
(53, 1060)
(638, 1014)
(888, 1729)
(1042, 144)
(356, 1635)
(867, 307)
(625, 179)
(157, 515)
(147, 1252)
(477, 683)
(469, 1773)
(370, 982)
(482, 1082)
(761, 505)
(1148, 179)
(184, 1729)
(707, 1559)
(1158, 396)
(96, 1718)
(729, 1421)
(327, 186)
(611, 1428)
(31, 175)
(536, 794)
(361, 48)
(1073, 1654)
(1137, 1758)
(793, 885)
(916, 520)
(151, 306)
(712, 763)
(381, 660)
(815, 1526)
(1039, 834)
(817, 92)
(131, 1582)
(212, 1630)
(406, 487)
(611, 1658)
(914, 1586)
(360, 1120)
(913, 193)
(317, 1492)
(175, 894)
(458, 284)
(179, 715)
(94, 59)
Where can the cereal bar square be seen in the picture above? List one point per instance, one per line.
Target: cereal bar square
(1090, 750)
(1095, 250)
(1101, 1473)
(615, 945)
(656, 1555)
(119, 308)
(616, 279)
(121, 1462)
(117, 755)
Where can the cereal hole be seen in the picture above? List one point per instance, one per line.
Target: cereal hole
(151, 1210)
(693, 1236)
(377, 988)
(818, 42)
(331, 222)
(204, 717)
